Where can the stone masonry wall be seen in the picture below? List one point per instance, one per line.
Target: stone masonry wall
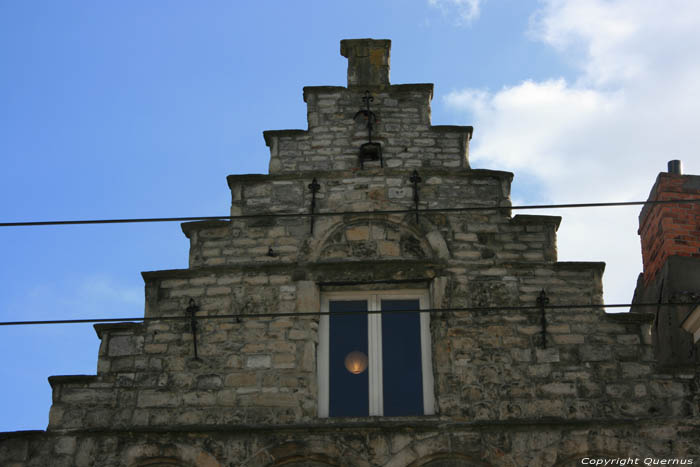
(488, 366)
(477, 237)
(379, 443)
(507, 391)
(403, 128)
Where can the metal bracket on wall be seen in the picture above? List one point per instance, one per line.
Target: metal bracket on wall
(369, 151)
(314, 187)
(191, 311)
(415, 179)
(542, 301)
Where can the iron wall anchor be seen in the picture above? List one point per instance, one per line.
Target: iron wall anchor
(191, 311)
(314, 187)
(542, 301)
(370, 150)
(415, 179)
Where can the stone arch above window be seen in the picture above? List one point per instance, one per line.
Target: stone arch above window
(160, 462)
(373, 239)
(447, 459)
(305, 463)
(450, 463)
(167, 455)
(308, 460)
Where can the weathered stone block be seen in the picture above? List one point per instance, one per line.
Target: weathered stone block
(157, 398)
(591, 353)
(258, 361)
(125, 345)
(547, 355)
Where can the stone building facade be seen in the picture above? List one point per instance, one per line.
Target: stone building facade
(498, 387)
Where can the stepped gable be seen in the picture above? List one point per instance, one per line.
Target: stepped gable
(336, 131)
(501, 381)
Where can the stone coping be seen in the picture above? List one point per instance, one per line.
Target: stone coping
(101, 328)
(632, 317)
(468, 129)
(370, 172)
(427, 88)
(525, 219)
(373, 424)
(194, 226)
(68, 379)
(298, 270)
(532, 219)
(269, 134)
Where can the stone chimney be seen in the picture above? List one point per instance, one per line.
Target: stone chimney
(368, 61)
(670, 236)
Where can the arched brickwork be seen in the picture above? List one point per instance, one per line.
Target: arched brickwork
(168, 455)
(447, 459)
(377, 238)
(311, 460)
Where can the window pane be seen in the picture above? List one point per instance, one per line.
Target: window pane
(401, 359)
(348, 381)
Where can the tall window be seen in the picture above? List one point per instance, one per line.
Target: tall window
(375, 363)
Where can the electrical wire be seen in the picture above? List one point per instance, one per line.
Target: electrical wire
(335, 313)
(346, 213)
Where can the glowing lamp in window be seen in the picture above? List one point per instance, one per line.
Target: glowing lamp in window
(356, 362)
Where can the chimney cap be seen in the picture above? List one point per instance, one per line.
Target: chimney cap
(675, 167)
(368, 61)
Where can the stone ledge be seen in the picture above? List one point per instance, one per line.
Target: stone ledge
(369, 172)
(469, 130)
(631, 317)
(528, 219)
(299, 269)
(322, 89)
(101, 328)
(382, 424)
(189, 227)
(392, 88)
(419, 87)
(580, 265)
(69, 379)
(292, 268)
(21, 434)
(269, 134)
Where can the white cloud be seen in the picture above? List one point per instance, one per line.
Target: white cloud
(604, 136)
(465, 11)
(623, 41)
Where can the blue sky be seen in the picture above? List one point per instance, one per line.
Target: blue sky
(140, 109)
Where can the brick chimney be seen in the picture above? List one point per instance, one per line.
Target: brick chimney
(368, 61)
(670, 229)
(670, 236)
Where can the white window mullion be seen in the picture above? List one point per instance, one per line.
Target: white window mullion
(376, 401)
(323, 359)
(426, 358)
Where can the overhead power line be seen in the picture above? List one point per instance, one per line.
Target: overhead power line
(234, 316)
(346, 213)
